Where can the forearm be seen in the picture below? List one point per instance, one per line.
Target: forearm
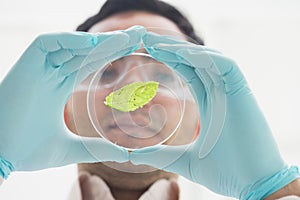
(292, 188)
(1, 180)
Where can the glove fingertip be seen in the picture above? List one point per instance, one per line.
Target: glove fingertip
(111, 40)
(156, 156)
(150, 39)
(139, 156)
(141, 30)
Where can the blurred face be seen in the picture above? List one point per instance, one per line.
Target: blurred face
(114, 123)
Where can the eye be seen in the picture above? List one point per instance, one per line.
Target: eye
(163, 77)
(109, 76)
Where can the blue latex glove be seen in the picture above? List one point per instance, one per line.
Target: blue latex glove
(33, 134)
(235, 154)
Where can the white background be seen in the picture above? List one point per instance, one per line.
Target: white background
(261, 35)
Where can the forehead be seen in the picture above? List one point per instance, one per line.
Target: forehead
(125, 20)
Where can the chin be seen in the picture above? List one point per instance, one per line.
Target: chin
(126, 175)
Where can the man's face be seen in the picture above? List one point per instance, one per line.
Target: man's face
(79, 122)
(146, 126)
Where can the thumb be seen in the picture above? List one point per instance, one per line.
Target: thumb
(91, 149)
(169, 158)
(219, 68)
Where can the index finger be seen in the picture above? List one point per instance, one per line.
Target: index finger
(152, 39)
(169, 158)
(67, 40)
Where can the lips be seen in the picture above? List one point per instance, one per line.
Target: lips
(129, 120)
(134, 130)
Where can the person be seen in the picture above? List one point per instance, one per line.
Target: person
(228, 166)
(122, 179)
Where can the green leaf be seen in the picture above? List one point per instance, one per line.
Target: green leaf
(132, 96)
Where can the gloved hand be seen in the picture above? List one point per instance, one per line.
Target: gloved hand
(33, 134)
(235, 154)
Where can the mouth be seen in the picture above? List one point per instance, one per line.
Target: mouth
(133, 120)
(139, 125)
(134, 130)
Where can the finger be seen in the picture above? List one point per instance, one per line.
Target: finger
(171, 54)
(72, 65)
(73, 76)
(91, 64)
(134, 35)
(73, 40)
(192, 79)
(82, 52)
(62, 56)
(108, 51)
(198, 82)
(214, 71)
(210, 101)
(221, 69)
(152, 39)
(91, 150)
(169, 158)
(120, 44)
(203, 59)
(59, 57)
(183, 68)
(187, 54)
(108, 59)
(80, 67)
(84, 40)
(198, 66)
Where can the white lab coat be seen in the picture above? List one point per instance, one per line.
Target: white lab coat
(188, 190)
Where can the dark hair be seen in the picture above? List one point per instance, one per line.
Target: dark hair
(111, 7)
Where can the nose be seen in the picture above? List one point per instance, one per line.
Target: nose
(135, 71)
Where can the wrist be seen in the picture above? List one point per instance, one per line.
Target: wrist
(292, 189)
(5, 168)
(1, 180)
(277, 183)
